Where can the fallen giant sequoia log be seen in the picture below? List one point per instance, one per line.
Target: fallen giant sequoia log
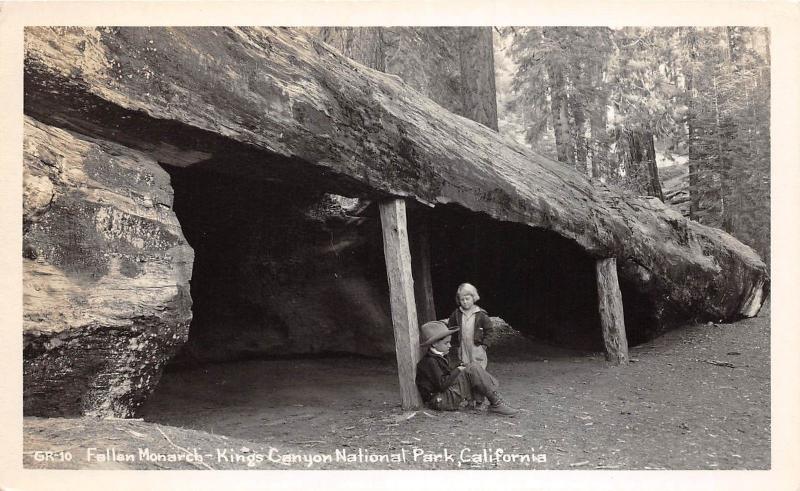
(106, 274)
(271, 105)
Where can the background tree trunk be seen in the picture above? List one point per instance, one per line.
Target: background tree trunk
(581, 147)
(598, 122)
(476, 58)
(650, 157)
(642, 161)
(694, 163)
(558, 110)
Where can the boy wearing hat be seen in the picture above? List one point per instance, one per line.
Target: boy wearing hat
(443, 389)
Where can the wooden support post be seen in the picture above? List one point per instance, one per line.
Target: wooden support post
(612, 319)
(401, 292)
(421, 263)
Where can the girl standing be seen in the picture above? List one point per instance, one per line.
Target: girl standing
(474, 323)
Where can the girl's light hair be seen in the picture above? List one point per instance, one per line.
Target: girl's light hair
(465, 288)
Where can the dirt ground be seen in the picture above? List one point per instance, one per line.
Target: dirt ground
(695, 398)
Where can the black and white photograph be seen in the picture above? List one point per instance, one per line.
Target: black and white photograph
(396, 246)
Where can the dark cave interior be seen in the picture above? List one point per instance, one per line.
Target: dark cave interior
(540, 283)
(279, 270)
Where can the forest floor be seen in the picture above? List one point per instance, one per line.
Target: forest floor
(695, 398)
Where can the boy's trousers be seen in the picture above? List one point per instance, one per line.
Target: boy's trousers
(474, 382)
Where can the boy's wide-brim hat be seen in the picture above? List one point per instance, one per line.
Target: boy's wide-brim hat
(432, 331)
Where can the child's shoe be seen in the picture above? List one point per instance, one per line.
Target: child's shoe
(498, 406)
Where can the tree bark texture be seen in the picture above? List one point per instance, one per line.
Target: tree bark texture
(558, 113)
(581, 148)
(723, 133)
(106, 273)
(476, 56)
(598, 121)
(642, 161)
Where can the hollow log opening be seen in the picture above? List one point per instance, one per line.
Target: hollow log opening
(542, 284)
(281, 269)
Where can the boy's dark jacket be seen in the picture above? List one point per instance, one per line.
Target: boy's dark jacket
(483, 325)
(434, 375)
